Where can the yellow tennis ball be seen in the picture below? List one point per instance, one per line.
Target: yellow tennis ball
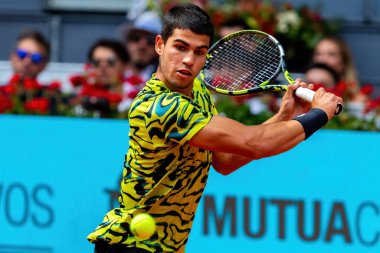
(143, 226)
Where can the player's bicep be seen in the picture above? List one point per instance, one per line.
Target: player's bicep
(224, 135)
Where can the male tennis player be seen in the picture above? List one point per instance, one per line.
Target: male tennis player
(176, 135)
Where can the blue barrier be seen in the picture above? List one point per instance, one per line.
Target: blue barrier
(58, 177)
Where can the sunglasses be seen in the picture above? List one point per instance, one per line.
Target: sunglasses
(110, 62)
(136, 37)
(36, 58)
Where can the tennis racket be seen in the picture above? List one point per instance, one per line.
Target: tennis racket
(248, 62)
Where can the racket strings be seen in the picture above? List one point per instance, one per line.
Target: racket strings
(242, 62)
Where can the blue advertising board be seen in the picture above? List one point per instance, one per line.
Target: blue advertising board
(59, 176)
(322, 196)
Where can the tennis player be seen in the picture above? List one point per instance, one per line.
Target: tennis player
(176, 135)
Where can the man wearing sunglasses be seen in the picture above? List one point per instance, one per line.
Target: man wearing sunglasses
(30, 56)
(100, 87)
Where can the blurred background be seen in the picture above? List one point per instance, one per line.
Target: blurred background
(72, 27)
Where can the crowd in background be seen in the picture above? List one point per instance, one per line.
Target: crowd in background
(116, 70)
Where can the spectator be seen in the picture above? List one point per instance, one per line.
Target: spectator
(31, 54)
(139, 38)
(334, 52)
(100, 88)
(25, 94)
(321, 74)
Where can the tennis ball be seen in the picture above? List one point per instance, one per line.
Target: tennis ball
(143, 226)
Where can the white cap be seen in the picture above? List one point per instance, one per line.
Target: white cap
(148, 21)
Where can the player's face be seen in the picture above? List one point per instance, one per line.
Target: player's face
(29, 58)
(181, 58)
(328, 52)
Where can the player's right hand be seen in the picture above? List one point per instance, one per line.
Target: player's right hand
(326, 101)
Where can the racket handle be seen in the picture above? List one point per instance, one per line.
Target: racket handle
(307, 94)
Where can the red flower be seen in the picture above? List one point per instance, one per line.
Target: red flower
(367, 89)
(99, 93)
(15, 79)
(5, 103)
(9, 89)
(132, 94)
(77, 80)
(135, 80)
(91, 91)
(372, 105)
(31, 84)
(218, 18)
(317, 17)
(114, 98)
(37, 105)
(55, 85)
(340, 88)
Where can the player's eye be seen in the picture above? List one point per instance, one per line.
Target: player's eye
(180, 48)
(200, 52)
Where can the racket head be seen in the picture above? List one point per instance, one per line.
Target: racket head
(244, 62)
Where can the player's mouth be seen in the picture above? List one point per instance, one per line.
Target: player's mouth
(185, 73)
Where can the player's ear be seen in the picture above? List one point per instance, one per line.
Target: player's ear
(159, 45)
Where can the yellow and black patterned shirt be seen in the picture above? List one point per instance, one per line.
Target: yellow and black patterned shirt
(163, 175)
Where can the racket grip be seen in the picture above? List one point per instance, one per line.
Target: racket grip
(307, 94)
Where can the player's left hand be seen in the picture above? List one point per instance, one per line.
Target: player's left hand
(292, 105)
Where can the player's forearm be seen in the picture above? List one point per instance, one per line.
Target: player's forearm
(275, 138)
(276, 118)
(276, 142)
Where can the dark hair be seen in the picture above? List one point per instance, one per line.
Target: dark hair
(113, 44)
(38, 38)
(318, 65)
(187, 16)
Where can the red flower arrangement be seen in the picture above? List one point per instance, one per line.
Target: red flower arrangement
(97, 99)
(5, 102)
(37, 105)
(29, 96)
